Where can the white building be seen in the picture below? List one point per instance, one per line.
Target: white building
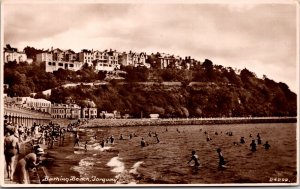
(90, 110)
(32, 103)
(65, 111)
(106, 60)
(134, 59)
(86, 56)
(100, 66)
(12, 54)
(55, 65)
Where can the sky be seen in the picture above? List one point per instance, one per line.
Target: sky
(259, 37)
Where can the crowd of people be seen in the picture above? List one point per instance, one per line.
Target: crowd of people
(36, 135)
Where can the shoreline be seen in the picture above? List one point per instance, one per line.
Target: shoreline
(95, 123)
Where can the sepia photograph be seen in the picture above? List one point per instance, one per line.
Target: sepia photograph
(149, 93)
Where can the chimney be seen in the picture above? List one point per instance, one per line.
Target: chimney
(52, 48)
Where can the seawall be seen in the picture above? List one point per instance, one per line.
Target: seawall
(192, 121)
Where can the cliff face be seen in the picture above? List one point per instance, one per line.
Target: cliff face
(193, 100)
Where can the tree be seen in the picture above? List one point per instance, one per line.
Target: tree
(20, 90)
(101, 75)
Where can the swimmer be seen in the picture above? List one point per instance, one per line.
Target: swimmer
(221, 158)
(112, 139)
(267, 145)
(195, 159)
(242, 141)
(258, 141)
(157, 139)
(30, 161)
(11, 149)
(208, 138)
(102, 144)
(253, 146)
(143, 143)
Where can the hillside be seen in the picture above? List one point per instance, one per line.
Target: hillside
(206, 91)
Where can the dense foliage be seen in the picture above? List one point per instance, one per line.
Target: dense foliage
(207, 90)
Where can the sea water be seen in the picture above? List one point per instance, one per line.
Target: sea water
(166, 162)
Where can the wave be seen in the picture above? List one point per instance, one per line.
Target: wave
(84, 165)
(117, 164)
(98, 147)
(124, 176)
(134, 168)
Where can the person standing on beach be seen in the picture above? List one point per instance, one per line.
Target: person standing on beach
(253, 146)
(11, 149)
(85, 145)
(62, 135)
(30, 161)
(76, 139)
(195, 158)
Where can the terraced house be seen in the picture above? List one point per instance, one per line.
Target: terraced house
(134, 59)
(106, 60)
(57, 58)
(65, 111)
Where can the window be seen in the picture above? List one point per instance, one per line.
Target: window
(72, 65)
(49, 63)
(53, 64)
(60, 64)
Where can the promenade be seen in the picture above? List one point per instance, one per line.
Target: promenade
(25, 116)
(185, 121)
